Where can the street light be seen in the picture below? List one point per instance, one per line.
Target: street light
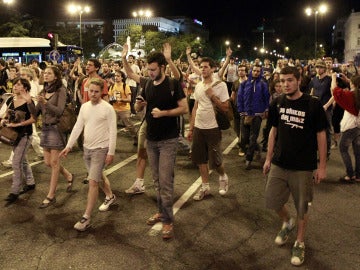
(322, 9)
(142, 13)
(80, 10)
(8, 2)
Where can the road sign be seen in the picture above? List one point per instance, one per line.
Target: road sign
(54, 55)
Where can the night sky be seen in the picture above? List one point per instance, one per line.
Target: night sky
(226, 19)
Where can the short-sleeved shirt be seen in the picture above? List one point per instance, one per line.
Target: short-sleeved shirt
(117, 92)
(205, 115)
(321, 89)
(163, 97)
(297, 122)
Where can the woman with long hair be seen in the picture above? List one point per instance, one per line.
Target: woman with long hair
(349, 126)
(51, 104)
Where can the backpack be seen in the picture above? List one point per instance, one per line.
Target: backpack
(223, 118)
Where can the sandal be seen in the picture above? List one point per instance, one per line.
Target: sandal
(70, 183)
(167, 231)
(47, 204)
(154, 219)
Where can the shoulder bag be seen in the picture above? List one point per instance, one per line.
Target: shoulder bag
(9, 135)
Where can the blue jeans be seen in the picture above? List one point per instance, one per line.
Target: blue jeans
(21, 166)
(162, 155)
(249, 136)
(350, 137)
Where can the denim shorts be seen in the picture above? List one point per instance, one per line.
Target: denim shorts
(95, 162)
(52, 138)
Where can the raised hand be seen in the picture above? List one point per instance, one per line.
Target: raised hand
(167, 51)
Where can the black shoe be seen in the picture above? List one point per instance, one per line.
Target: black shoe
(27, 188)
(11, 197)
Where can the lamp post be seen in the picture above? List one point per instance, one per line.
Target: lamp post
(322, 9)
(79, 10)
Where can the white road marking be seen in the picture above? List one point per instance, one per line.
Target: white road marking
(11, 172)
(155, 229)
(120, 164)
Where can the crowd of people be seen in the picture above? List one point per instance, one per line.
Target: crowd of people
(301, 111)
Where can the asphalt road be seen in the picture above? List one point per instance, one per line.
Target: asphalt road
(230, 232)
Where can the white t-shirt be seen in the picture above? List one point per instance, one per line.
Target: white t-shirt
(231, 73)
(205, 115)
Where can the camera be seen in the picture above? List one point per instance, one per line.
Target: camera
(338, 75)
(112, 100)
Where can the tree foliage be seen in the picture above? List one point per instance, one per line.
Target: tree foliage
(154, 40)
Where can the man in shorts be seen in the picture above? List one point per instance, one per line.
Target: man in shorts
(204, 130)
(99, 147)
(298, 130)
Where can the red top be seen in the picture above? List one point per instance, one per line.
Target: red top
(346, 100)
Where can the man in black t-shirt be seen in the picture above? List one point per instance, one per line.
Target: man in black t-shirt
(298, 131)
(163, 104)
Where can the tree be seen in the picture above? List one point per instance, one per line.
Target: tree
(155, 39)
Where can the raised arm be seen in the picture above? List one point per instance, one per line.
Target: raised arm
(227, 61)
(194, 68)
(167, 54)
(130, 73)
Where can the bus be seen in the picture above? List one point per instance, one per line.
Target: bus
(25, 49)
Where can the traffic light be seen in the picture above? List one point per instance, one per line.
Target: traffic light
(53, 38)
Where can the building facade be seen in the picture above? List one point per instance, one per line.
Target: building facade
(176, 25)
(352, 38)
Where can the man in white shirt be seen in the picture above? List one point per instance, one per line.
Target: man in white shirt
(99, 147)
(204, 130)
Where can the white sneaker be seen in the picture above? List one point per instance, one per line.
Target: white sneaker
(136, 188)
(223, 184)
(203, 191)
(283, 234)
(106, 204)
(82, 225)
(7, 164)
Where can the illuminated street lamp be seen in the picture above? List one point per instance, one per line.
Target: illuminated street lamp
(322, 9)
(8, 2)
(73, 9)
(142, 13)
